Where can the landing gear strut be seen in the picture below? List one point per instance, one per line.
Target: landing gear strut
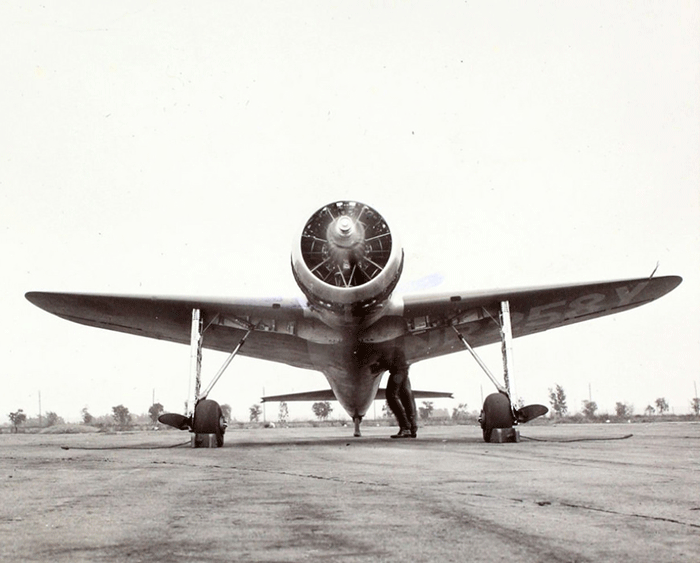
(207, 422)
(499, 415)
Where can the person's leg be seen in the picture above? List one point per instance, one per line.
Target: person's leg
(409, 404)
(394, 389)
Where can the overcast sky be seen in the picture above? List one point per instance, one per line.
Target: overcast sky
(176, 148)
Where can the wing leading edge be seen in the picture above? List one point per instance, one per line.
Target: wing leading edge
(169, 318)
(430, 319)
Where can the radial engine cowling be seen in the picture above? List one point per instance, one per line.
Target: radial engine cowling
(347, 261)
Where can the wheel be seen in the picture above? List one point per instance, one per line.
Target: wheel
(208, 419)
(497, 413)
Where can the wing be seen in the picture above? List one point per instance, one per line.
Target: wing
(169, 318)
(430, 318)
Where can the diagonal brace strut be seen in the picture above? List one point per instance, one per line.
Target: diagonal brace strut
(479, 361)
(506, 350)
(196, 343)
(222, 369)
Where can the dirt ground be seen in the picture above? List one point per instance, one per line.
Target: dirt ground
(569, 493)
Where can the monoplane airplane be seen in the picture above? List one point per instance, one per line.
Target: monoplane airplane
(350, 324)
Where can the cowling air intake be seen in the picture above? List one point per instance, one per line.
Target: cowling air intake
(347, 261)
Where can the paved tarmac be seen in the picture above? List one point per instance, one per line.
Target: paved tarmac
(317, 494)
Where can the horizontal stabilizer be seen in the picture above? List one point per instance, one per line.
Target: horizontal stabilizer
(381, 395)
(327, 395)
(323, 395)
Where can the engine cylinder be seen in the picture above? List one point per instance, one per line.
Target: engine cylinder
(347, 260)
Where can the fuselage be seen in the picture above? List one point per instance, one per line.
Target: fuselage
(354, 367)
(347, 262)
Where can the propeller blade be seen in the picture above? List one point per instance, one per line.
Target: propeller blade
(175, 420)
(530, 412)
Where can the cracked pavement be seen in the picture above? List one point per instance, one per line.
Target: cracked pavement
(571, 493)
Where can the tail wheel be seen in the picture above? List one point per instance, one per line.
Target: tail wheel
(497, 413)
(209, 419)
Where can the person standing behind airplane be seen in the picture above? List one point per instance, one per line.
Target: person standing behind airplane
(399, 395)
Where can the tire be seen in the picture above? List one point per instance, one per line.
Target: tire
(497, 413)
(208, 419)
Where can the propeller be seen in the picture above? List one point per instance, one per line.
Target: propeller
(346, 244)
(179, 421)
(530, 412)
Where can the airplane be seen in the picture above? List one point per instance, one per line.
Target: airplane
(350, 322)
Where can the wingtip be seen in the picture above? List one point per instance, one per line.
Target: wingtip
(32, 296)
(666, 284)
(42, 299)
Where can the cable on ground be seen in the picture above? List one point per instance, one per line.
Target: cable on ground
(577, 439)
(126, 447)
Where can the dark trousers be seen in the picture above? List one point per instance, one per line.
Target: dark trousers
(400, 398)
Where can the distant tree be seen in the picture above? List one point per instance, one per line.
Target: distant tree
(322, 409)
(426, 410)
(52, 419)
(87, 417)
(649, 410)
(226, 411)
(661, 405)
(695, 406)
(623, 410)
(154, 411)
(283, 413)
(557, 398)
(589, 409)
(17, 418)
(255, 412)
(386, 410)
(460, 412)
(121, 416)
